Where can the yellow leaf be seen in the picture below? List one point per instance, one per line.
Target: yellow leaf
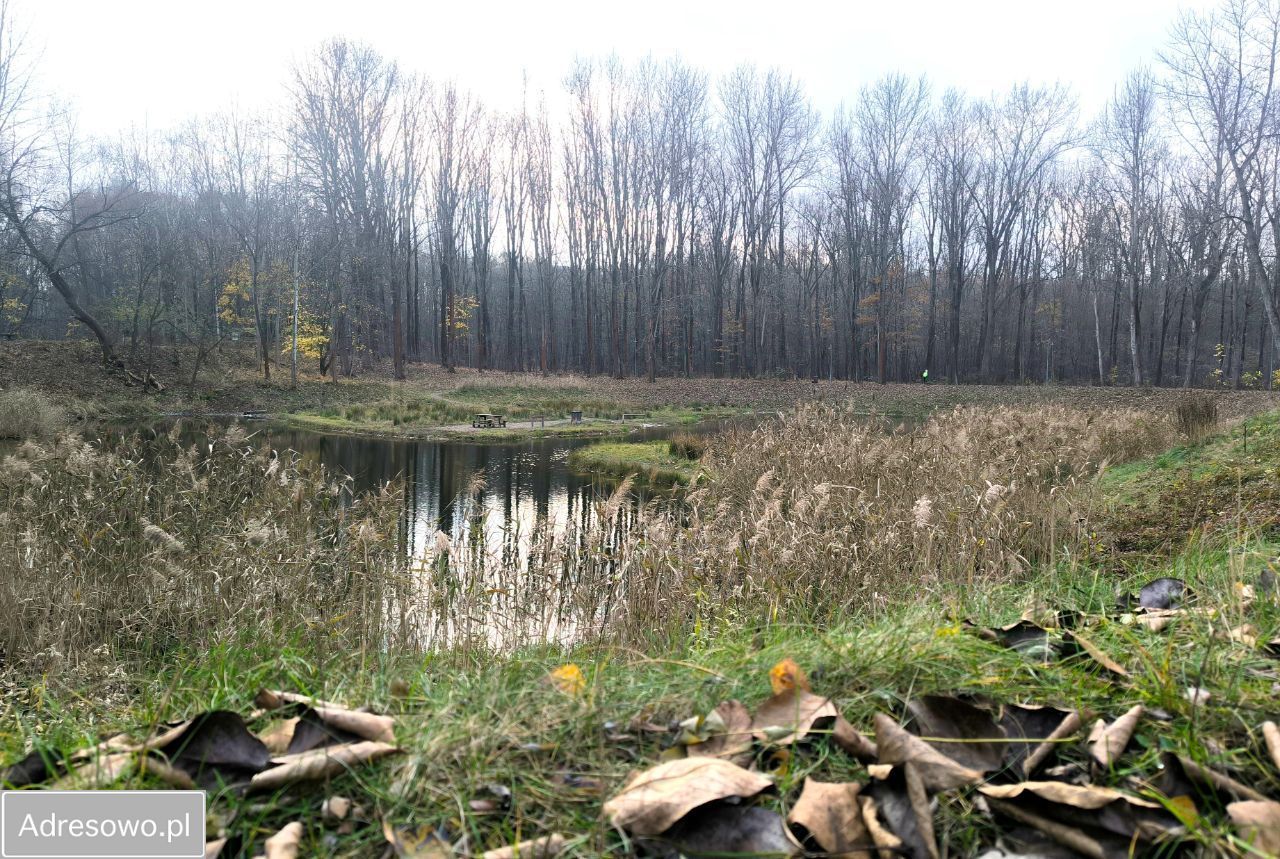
(787, 675)
(569, 679)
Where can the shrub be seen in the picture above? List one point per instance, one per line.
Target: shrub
(30, 414)
(687, 446)
(1197, 415)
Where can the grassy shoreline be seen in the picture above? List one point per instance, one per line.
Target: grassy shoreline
(653, 461)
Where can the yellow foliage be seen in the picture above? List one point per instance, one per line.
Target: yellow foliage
(569, 679)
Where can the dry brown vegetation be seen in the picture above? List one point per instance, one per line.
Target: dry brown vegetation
(144, 549)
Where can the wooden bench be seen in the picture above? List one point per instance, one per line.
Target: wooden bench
(539, 418)
(487, 421)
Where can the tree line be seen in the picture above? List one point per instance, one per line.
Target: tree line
(665, 223)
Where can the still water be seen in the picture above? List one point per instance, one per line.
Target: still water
(506, 492)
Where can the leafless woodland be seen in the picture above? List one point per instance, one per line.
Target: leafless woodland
(668, 223)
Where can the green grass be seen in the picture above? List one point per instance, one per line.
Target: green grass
(652, 460)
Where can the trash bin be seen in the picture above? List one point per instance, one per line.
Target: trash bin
(575, 416)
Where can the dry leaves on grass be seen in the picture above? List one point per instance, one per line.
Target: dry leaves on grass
(654, 800)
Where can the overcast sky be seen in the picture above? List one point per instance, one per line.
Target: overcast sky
(158, 62)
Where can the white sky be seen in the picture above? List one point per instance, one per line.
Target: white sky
(158, 62)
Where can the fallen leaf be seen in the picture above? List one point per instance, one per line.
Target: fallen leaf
(1024, 636)
(1258, 823)
(1108, 742)
(831, 814)
(903, 800)
(281, 734)
(97, 773)
(271, 699)
(653, 800)
(416, 842)
(1271, 736)
(1075, 644)
(937, 771)
(1079, 796)
(535, 848)
(170, 775)
(787, 675)
(213, 849)
(852, 741)
(1246, 634)
(320, 764)
(1162, 593)
(726, 734)
(966, 734)
(569, 679)
(789, 716)
(1034, 734)
(1182, 776)
(722, 829)
(890, 845)
(1197, 696)
(40, 765)
(336, 807)
(285, 843)
(215, 749)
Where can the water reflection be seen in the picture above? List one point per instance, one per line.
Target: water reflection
(500, 496)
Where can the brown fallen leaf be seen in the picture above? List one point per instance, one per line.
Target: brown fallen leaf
(1035, 733)
(285, 843)
(1068, 836)
(1258, 823)
(213, 849)
(320, 764)
(1182, 776)
(903, 801)
(380, 729)
(852, 741)
(727, 829)
(99, 772)
(966, 734)
(270, 699)
(729, 736)
(832, 815)
(416, 842)
(336, 807)
(1079, 796)
(278, 738)
(1271, 736)
(1075, 643)
(1246, 634)
(789, 716)
(170, 775)
(653, 800)
(535, 848)
(1108, 742)
(215, 749)
(937, 771)
(890, 845)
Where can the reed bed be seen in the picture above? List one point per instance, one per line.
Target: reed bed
(814, 516)
(147, 547)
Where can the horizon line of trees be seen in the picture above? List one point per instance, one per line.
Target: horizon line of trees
(668, 224)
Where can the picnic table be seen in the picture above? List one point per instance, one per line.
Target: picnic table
(484, 420)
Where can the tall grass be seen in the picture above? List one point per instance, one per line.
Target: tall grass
(809, 518)
(148, 547)
(812, 517)
(29, 414)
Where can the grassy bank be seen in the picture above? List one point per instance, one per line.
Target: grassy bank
(857, 555)
(654, 461)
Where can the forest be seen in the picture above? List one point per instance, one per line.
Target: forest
(664, 223)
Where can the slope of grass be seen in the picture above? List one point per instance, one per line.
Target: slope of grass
(1229, 482)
